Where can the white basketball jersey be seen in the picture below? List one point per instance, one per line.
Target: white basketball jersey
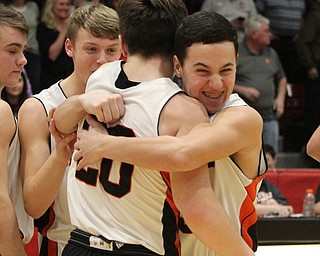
(25, 222)
(57, 226)
(236, 193)
(120, 201)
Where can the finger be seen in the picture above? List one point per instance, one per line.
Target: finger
(70, 138)
(77, 155)
(81, 164)
(51, 112)
(94, 123)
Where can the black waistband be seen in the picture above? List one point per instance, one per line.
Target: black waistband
(84, 239)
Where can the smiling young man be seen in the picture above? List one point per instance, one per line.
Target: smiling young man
(13, 218)
(205, 61)
(92, 41)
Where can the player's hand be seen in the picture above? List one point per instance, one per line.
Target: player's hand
(108, 108)
(64, 142)
(89, 145)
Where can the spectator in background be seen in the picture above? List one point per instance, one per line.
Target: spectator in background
(31, 12)
(51, 35)
(260, 79)
(236, 11)
(15, 96)
(270, 200)
(285, 20)
(308, 49)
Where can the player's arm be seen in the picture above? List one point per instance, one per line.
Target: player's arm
(313, 146)
(106, 107)
(42, 172)
(9, 231)
(235, 132)
(204, 215)
(192, 191)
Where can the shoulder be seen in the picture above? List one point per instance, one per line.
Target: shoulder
(244, 118)
(7, 123)
(32, 111)
(181, 114)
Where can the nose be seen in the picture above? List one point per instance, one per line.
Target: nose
(103, 58)
(216, 82)
(22, 60)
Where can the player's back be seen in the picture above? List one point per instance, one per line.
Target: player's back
(120, 201)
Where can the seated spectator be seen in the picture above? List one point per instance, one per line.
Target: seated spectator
(15, 96)
(270, 200)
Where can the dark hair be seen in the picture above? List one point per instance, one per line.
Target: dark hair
(204, 27)
(149, 26)
(269, 149)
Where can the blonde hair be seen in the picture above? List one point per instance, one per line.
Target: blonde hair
(99, 20)
(48, 16)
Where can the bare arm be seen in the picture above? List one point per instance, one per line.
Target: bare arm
(279, 102)
(9, 231)
(42, 172)
(203, 144)
(106, 107)
(313, 146)
(192, 191)
(204, 214)
(247, 92)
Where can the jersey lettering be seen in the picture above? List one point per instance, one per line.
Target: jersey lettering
(90, 175)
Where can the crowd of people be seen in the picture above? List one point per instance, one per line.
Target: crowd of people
(111, 109)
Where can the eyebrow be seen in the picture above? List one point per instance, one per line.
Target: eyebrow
(15, 44)
(224, 66)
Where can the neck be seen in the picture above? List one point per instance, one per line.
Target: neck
(140, 69)
(72, 85)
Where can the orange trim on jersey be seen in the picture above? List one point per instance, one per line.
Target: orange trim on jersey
(52, 248)
(248, 215)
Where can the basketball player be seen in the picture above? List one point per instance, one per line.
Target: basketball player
(92, 40)
(13, 40)
(206, 47)
(124, 209)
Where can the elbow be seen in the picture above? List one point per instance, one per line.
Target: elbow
(312, 150)
(33, 211)
(182, 160)
(32, 207)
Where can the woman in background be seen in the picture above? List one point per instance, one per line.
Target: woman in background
(51, 35)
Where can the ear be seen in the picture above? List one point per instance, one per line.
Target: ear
(123, 46)
(177, 66)
(68, 47)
